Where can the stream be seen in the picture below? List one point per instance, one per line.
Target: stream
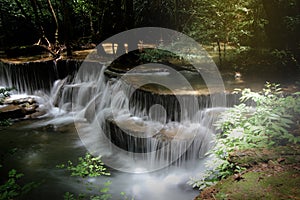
(36, 152)
(152, 126)
(35, 146)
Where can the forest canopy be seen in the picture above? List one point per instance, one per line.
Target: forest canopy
(272, 24)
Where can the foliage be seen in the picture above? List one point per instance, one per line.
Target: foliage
(285, 57)
(87, 166)
(5, 122)
(262, 119)
(92, 167)
(12, 189)
(265, 124)
(272, 24)
(156, 55)
(104, 194)
(226, 21)
(5, 92)
(125, 197)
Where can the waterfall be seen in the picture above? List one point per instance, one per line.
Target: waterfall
(118, 119)
(135, 129)
(30, 77)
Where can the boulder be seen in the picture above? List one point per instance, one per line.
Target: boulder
(11, 112)
(18, 108)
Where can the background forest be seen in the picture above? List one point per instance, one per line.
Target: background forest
(251, 22)
(264, 25)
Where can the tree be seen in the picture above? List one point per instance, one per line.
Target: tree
(67, 25)
(55, 20)
(284, 22)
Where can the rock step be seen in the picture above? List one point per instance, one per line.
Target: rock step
(19, 108)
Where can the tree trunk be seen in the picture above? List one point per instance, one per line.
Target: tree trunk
(67, 26)
(56, 22)
(37, 18)
(220, 53)
(176, 15)
(91, 24)
(129, 14)
(224, 50)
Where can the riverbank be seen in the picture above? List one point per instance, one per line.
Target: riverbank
(271, 174)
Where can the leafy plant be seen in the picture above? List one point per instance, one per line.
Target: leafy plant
(5, 122)
(87, 166)
(262, 119)
(5, 92)
(103, 194)
(69, 196)
(125, 197)
(92, 167)
(11, 188)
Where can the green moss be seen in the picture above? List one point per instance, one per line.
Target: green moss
(260, 185)
(250, 157)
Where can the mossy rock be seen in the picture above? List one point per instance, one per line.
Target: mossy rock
(271, 174)
(250, 157)
(135, 58)
(261, 185)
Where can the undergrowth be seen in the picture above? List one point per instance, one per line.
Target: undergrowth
(89, 166)
(262, 120)
(12, 188)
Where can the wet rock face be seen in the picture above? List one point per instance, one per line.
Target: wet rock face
(28, 77)
(167, 143)
(19, 108)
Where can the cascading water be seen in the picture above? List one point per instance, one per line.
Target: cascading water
(30, 77)
(40, 81)
(136, 130)
(134, 135)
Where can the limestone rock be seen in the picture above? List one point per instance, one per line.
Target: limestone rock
(11, 112)
(19, 108)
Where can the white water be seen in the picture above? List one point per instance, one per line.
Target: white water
(94, 101)
(157, 172)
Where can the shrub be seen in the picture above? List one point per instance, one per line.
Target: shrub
(265, 124)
